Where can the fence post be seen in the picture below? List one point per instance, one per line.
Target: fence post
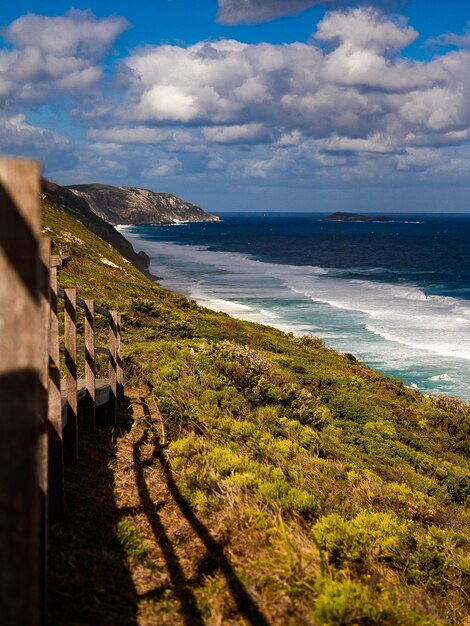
(21, 393)
(71, 429)
(113, 344)
(90, 411)
(45, 316)
(56, 451)
(120, 371)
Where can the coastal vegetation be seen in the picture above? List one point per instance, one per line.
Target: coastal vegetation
(255, 477)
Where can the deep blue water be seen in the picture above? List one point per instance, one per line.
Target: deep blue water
(396, 293)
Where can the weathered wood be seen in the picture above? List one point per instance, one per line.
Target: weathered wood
(80, 302)
(102, 390)
(113, 347)
(90, 408)
(103, 312)
(56, 452)
(21, 394)
(120, 371)
(45, 316)
(70, 327)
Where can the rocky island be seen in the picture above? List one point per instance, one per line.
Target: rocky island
(342, 216)
(131, 205)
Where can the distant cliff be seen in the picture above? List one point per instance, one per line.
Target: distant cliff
(79, 208)
(130, 205)
(343, 216)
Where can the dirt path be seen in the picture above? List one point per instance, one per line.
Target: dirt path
(167, 567)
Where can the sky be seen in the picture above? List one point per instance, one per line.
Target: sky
(245, 105)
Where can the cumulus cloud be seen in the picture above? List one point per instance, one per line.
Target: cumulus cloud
(253, 11)
(242, 133)
(452, 39)
(138, 135)
(365, 29)
(16, 132)
(20, 138)
(347, 103)
(77, 33)
(375, 143)
(48, 55)
(221, 83)
(417, 159)
(359, 91)
(163, 167)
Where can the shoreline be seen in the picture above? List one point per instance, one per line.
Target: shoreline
(418, 368)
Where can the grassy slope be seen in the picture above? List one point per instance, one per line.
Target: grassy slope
(290, 484)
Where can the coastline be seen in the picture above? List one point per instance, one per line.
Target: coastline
(221, 282)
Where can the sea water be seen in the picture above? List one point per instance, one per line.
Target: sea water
(395, 294)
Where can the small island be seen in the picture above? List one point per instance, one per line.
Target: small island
(342, 216)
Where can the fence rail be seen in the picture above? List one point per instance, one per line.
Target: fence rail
(41, 415)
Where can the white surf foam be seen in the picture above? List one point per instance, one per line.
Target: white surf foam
(393, 325)
(445, 377)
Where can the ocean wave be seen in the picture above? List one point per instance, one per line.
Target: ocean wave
(388, 325)
(371, 271)
(443, 349)
(440, 377)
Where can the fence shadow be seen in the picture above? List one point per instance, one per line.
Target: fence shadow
(215, 556)
(89, 579)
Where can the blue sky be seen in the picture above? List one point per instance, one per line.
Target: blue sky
(245, 104)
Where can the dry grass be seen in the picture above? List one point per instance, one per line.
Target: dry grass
(144, 557)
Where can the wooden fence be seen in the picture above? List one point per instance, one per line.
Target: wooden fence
(41, 415)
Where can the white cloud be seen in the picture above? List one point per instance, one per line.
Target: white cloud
(292, 138)
(452, 39)
(77, 33)
(138, 135)
(417, 159)
(216, 163)
(365, 28)
(348, 104)
(47, 55)
(375, 143)
(163, 167)
(242, 133)
(253, 11)
(20, 138)
(358, 88)
(15, 131)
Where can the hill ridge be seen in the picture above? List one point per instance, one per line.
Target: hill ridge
(136, 205)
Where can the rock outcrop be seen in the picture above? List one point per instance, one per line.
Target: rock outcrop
(343, 216)
(131, 205)
(79, 208)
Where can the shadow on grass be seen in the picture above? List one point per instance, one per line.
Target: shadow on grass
(89, 579)
(215, 552)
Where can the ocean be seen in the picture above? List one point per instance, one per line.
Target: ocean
(395, 294)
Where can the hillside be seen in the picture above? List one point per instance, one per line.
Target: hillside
(130, 205)
(79, 208)
(255, 478)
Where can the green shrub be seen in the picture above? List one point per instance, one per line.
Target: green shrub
(132, 540)
(348, 603)
(368, 536)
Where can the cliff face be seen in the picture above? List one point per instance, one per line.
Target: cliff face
(130, 205)
(79, 208)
